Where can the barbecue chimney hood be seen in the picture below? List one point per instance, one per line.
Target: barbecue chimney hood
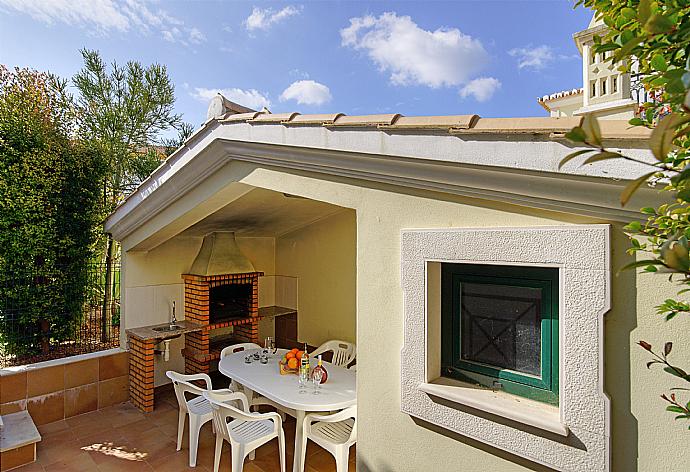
(220, 255)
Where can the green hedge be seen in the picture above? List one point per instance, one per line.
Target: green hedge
(50, 208)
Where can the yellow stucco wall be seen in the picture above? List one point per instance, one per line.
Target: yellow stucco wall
(391, 441)
(323, 257)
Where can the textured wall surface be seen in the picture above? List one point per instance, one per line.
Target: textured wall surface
(582, 254)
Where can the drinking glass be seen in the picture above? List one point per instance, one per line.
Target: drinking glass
(303, 381)
(270, 346)
(316, 378)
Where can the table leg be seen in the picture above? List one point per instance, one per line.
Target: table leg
(297, 465)
(249, 393)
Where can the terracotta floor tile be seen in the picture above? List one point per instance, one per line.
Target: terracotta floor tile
(120, 465)
(83, 419)
(176, 463)
(55, 427)
(79, 462)
(120, 438)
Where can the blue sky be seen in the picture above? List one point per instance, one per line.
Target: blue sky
(487, 57)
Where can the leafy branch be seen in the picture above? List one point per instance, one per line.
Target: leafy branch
(650, 40)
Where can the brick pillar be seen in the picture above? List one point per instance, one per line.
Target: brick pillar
(249, 332)
(141, 373)
(196, 359)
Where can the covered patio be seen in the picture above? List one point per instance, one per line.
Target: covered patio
(122, 438)
(345, 225)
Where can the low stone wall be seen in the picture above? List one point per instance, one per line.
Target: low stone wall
(63, 388)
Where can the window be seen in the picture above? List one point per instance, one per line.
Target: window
(581, 255)
(593, 58)
(614, 84)
(593, 92)
(603, 86)
(500, 328)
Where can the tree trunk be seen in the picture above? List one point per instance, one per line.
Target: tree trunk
(107, 292)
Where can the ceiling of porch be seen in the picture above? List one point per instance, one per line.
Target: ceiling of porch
(263, 213)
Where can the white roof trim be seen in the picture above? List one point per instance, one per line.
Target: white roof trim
(516, 169)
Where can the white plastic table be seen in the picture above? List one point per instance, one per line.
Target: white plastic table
(338, 392)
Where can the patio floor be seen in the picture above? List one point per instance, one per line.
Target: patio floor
(121, 438)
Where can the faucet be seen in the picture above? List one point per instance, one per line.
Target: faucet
(173, 321)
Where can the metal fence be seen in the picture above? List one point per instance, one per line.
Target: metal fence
(52, 314)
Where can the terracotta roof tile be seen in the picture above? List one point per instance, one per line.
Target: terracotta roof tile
(366, 120)
(433, 122)
(613, 129)
(240, 117)
(561, 94)
(521, 125)
(267, 118)
(322, 119)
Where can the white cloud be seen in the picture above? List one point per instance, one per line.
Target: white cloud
(249, 98)
(535, 58)
(412, 55)
(264, 18)
(307, 92)
(482, 89)
(106, 16)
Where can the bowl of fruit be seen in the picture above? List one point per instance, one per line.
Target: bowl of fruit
(289, 364)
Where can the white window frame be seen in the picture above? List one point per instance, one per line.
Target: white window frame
(576, 434)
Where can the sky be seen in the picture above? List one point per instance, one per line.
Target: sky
(485, 57)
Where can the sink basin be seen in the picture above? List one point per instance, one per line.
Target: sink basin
(168, 328)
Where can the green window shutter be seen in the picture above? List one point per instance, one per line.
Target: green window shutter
(534, 294)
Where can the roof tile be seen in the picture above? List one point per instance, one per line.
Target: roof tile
(240, 117)
(620, 129)
(366, 120)
(322, 119)
(433, 122)
(521, 125)
(268, 118)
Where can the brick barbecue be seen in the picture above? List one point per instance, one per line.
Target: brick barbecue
(199, 304)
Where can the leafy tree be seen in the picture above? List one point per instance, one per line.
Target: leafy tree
(654, 38)
(123, 111)
(49, 208)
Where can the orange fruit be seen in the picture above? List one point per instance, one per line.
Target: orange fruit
(290, 355)
(299, 354)
(292, 363)
(294, 350)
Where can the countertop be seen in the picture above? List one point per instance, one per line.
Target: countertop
(273, 311)
(146, 333)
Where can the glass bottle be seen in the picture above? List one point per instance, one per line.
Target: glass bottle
(304, 366)
(322, 369)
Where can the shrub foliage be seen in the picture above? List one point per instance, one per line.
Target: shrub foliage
(50, 209)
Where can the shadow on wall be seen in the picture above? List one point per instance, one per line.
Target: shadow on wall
(363, 466)
(485, 447)
(618, 325)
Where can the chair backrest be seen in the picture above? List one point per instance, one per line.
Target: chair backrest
(342, 415)
(237, 348)
(343, 352)
(183, 384)
(222, 409)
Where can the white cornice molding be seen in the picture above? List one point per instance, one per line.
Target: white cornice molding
(582, 195)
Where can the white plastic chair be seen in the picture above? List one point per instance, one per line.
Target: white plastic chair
(246, 431)
(335, 433)
(197, 407)
(233, 348)
(343, 352)
(234, 386)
